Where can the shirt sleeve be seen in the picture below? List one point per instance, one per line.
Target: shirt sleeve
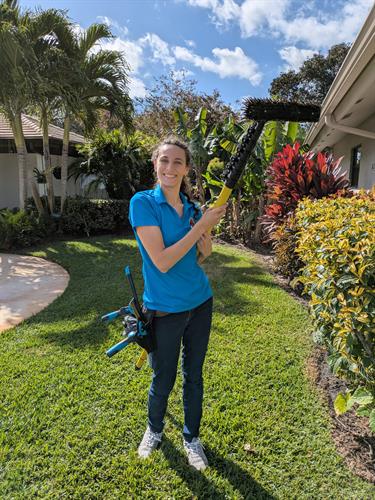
(141, 212)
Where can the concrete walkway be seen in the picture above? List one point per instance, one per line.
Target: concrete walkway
(27, 285)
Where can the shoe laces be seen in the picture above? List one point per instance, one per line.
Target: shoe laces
(195, 446)
(151, 437)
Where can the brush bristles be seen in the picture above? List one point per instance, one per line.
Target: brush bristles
(268, 110)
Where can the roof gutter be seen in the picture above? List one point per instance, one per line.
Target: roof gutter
(330, 121)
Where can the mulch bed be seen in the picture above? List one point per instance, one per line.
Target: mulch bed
(351, 434)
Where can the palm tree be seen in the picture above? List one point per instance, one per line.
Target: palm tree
(17, 79)
(51, 70)
(99, 82)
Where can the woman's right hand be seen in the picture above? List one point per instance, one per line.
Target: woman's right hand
(212, 216)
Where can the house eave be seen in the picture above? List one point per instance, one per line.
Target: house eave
(353, 84)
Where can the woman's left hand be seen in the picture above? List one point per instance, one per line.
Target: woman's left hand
(204, 245)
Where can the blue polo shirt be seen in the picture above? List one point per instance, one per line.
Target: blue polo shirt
(185, 286)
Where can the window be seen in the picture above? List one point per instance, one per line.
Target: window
(354, 166)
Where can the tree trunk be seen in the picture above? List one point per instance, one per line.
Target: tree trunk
(21, 158)
(64, 162)
(258, 227)
(47, 162)
(19, 139)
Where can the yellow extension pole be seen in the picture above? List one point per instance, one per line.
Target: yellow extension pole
(222, 198)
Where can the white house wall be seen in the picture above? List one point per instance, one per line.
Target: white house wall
(8, 181)
(367, 166)
(73, 188)
(9, 188)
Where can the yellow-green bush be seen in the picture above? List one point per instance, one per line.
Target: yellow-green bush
(336, 242)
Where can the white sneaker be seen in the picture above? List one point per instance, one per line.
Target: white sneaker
(195, 453)
(151, 441)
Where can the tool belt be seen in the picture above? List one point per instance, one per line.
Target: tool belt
(137, 321)
(141, 330)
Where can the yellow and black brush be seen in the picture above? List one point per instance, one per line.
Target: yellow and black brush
(260, 111)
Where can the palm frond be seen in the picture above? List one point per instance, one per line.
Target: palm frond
(92, 36)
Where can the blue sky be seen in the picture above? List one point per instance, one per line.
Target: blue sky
(235, 46)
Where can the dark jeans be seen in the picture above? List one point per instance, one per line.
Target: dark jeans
(193, 329)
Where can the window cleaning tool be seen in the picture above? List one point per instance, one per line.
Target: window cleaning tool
(137, 323)
(260, 111)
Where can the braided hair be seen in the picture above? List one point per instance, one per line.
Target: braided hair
(185, 187)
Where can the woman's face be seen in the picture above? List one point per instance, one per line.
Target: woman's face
(170, 165)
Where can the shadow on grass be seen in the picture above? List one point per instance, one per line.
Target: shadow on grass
(97, 284)
(200, 485)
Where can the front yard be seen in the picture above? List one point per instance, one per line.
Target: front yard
(71, 418)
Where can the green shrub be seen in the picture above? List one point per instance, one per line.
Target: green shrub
(21, 229)
(284, 242)
(119, 161)
(337, 245)
(83, 216)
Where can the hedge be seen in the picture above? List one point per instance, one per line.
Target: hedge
(336, 242)
(81, 217)
(86, 217)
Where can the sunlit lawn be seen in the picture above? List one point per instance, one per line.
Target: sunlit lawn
(71, 418)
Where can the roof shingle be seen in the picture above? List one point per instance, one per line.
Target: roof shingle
(32, 130)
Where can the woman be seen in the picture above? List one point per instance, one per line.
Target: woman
(169, 228)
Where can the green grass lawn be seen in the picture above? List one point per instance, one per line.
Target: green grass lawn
(71, 418)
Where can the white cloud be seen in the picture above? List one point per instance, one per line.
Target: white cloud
(112, 23)
(160, 49)
(223, 11)
(226, 63)
(320, 34)
(136, 87)
(294, 57)
(208, 4)
(132, 51)
(78, 30)
(253, 17)
(288, 20)
(133, 54)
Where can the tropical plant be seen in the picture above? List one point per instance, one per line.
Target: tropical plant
(294, 175)
(196, 138)
(53, 71)
(117, 161)
(222, 142)
(22, 228)
(88, 81)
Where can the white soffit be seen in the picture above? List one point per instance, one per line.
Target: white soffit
(351, 98)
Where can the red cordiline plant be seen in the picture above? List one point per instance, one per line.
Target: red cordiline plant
(294, 175)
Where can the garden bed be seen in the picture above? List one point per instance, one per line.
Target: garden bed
(352, 435)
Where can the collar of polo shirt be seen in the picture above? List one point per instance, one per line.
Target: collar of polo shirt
(160, 198)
